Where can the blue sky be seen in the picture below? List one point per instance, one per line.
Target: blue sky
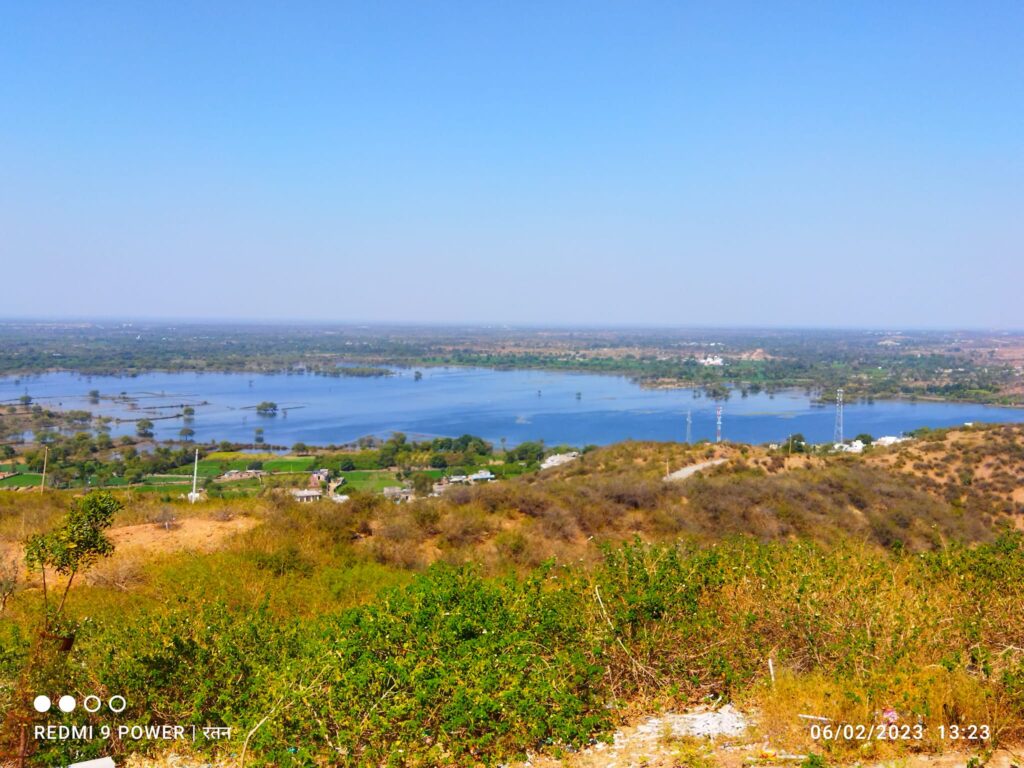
(718, 163)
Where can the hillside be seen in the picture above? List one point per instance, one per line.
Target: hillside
(539, 613)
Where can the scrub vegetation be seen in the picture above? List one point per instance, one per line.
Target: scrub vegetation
(537, 613)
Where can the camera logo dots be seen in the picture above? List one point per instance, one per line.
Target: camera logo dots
(90, 703)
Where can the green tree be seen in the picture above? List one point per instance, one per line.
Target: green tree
(267, 408)
(529, 451)
(144, 428)
(187, 433)
(422, 484)
(75, 546)
(387, 456)
(795, 444)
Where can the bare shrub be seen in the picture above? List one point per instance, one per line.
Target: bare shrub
(465, 526)
(632, 492)
(166, 519)
(558, 523)
(8, 582)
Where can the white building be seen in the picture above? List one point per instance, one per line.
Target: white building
(855, 446)
(558, 459)
(888, 440)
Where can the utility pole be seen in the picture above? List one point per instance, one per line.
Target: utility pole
(42, 480)
(195, 479)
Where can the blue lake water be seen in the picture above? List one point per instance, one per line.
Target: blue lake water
(515, 405)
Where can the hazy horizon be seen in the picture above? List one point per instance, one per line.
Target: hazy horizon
(511, 325)
(660, 165)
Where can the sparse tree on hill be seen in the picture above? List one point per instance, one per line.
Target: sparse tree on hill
(74, 547)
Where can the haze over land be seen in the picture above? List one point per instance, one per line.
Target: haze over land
(759, 164)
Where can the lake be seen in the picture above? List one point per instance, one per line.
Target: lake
(559, 408)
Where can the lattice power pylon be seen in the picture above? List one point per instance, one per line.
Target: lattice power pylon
(838, 436)
(718, 424)
(689, 427)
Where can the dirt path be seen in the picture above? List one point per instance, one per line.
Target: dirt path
(690, 471)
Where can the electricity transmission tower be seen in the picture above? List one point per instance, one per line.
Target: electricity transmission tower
(689, 427)
(718, 424)
(838, 436)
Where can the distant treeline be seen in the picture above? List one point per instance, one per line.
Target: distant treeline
(866, 364)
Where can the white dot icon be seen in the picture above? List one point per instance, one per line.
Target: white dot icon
(41, 703)
(66, 703)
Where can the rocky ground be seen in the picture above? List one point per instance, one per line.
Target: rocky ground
(700, 738)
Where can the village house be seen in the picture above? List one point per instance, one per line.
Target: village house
(241, 474)
(397, 494)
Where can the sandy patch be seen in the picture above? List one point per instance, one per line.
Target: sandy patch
(192, 534)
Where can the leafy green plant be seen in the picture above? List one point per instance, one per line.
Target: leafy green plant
(73, 547)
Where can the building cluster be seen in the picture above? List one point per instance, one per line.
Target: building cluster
(319, 486)
(857, 446)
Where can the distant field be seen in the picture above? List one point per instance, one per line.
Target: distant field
(212, 467)
(369, 480)
(20, 481)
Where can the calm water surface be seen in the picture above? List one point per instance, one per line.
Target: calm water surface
(515, 405)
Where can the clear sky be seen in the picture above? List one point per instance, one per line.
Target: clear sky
(716, 163)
